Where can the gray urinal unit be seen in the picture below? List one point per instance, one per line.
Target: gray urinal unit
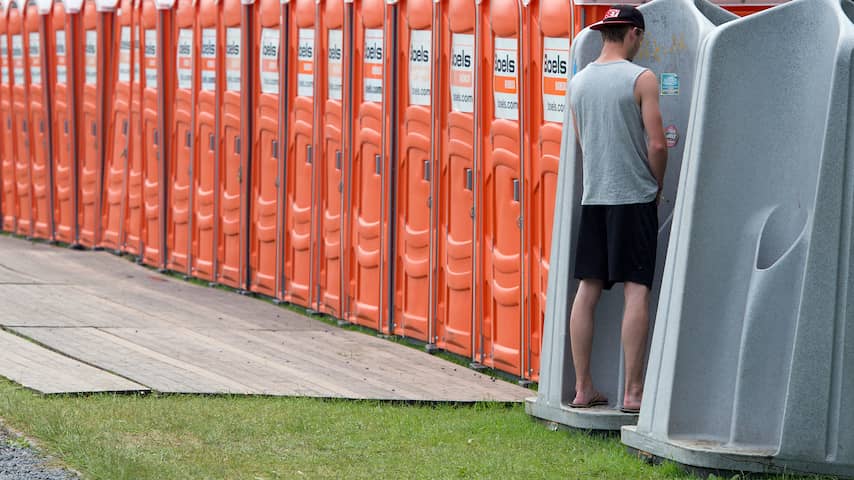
(674, 30)
(750, 367)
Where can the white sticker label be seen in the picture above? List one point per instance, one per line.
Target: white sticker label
(462, 72)
(18, 59)
(150, 62)
(232, 59)
(555, 78)
(420, 67)
(35, 58)
(91, 47)
(336, 64)
(208, 67)
(504, 83)
(136, 58)
(61, 69)
(269, 65)
(305, 63)
(4, 61)
(185, 58)
(373, 65)
(124, 55)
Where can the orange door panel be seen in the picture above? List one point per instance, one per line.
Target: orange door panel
(459, 70)
(330, 88)
(413, 289)
(88, 125)
(549, 59)
(368, 165)
(7, 149)
(65, 173)
(206, 167)
(231, 174)
(501, 248)
(38, 121)
(300, 174)
(109, 185)
(263, 234)
(180, 171)
(135, 216)
(20, 115)
(151, 140)
(118, 136)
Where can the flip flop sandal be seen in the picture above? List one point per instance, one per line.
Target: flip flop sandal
(632, 411)
(595, 402)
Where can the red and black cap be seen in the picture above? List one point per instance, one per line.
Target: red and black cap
(620, 15)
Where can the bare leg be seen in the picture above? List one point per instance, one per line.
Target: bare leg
(581, 337)
(634, 334)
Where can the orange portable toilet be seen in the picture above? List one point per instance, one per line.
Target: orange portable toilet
(64, 125)
(118, 135)
(548, 37)
(39, 124)
(154, 163)
(299, 174)
(207, 142)
(265, 205)
(229, 261)
(8, 196)
(503, 173)
(367, 219)
(183, 150)
(414, 152)
(135, 207)
(330, 153)
(20, 116)
(459, 73)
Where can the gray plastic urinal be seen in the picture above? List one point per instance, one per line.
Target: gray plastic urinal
(752, 366)
(674, 31)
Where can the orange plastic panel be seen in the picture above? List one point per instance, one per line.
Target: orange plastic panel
(39, 123)
(330, 88)
(118, 135)
(263, 235)
(20, 116)
(414, 170)
(454, 324)
(300, 173)
(152, 140)
(135, 216)
(206, 168)
(182, 150)
(549, 41)
(231, 174)
(65, 173)
(88, 51)
(501, 325)
(8, 199)
(368, 164)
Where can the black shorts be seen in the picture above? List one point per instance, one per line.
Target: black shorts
(617, 243)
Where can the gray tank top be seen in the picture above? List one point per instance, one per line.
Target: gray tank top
(613, 141)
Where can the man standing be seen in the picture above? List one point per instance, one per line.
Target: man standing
(618, 125)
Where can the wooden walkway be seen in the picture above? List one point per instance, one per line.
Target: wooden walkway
(155, 332)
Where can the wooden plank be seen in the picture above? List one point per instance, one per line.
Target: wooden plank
(49, 372)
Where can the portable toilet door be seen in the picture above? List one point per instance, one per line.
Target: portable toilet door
(183, 125)
(20, 115)
(64, 173)
(330, 154)
(368, 166)
(7, 149)
(153, 166)
(229, 264)
(459, 73)
(135, 209)
(548, 36)
(207, 142)
(118, 136)
(503, 173)
(299, 174)
(414, 152)
(40, 123)
(264, 208)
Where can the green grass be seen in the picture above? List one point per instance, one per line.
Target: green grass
(195, 437)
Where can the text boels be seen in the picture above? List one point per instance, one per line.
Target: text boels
(305, 51)
(270, 50)
(184, 50)
(505, 64)
(335, 53)
(554, 64)
(232, 49)
(374, 52)
(461, 60)
(209, 49)
(419, 55)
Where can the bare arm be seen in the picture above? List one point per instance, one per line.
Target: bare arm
(646, 91)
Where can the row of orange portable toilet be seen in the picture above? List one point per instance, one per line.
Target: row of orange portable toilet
(391, 164)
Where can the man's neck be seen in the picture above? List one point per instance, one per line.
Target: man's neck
(612, 52)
